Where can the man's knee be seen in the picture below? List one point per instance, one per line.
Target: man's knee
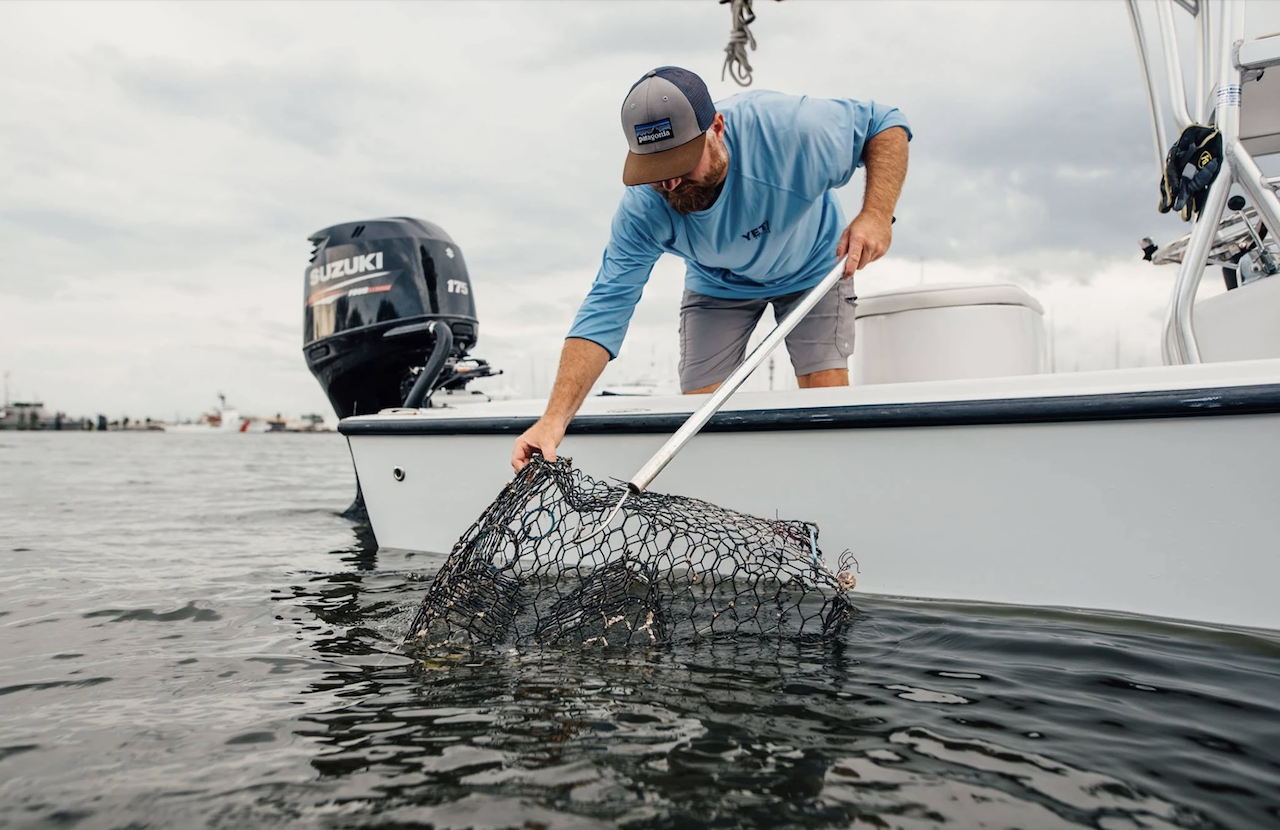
(824, 377)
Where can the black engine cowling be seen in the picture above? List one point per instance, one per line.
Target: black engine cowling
(371, 293)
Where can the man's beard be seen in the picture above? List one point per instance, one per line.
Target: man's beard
(691, 197)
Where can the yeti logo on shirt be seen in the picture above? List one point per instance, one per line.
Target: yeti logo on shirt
(757, 232)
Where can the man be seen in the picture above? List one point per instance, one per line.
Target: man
(743, 194)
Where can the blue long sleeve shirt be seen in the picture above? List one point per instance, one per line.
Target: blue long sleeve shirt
(772, 231)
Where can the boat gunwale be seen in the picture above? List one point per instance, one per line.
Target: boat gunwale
(1251, 399)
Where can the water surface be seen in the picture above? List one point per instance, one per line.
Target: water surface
(191, 636)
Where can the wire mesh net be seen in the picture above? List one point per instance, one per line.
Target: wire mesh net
(666, 568)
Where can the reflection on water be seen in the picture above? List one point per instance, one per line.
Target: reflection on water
(232, 660)
(923, 715)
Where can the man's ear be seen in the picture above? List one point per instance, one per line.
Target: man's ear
(717, 124)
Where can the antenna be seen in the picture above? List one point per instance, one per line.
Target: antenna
(6, 390)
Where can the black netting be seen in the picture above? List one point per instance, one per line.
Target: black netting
(666, 568)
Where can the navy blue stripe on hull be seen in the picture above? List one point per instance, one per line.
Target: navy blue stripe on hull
(1118, 406)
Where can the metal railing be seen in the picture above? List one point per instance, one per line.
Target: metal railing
(1220, 64)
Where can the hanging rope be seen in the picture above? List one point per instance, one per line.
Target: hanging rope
(740, 37)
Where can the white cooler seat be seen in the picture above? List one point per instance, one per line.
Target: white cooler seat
(948, 332)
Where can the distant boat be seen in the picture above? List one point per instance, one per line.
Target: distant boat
(222, 420)
(29, 415)
(307, 423)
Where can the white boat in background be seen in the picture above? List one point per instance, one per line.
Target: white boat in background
(957, 467)
(306, 423)
(223, 420)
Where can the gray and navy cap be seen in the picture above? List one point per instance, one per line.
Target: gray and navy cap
(666, 117)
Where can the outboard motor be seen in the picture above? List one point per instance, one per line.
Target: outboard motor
(389, 315)
(388, 318)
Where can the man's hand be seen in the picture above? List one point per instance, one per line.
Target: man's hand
(542, 437)
(581, 362)
(865, 240)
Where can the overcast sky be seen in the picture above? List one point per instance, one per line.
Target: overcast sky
(162, 165)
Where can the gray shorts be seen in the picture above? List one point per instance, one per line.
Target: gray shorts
(714, 333)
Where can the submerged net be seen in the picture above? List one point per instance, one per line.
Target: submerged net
(666, 568)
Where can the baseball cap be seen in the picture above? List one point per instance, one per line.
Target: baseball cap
(665, 117)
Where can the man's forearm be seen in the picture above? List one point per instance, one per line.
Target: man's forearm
(885, 158)
(581, 362)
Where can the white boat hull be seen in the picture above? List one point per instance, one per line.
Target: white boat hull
(1166, 516)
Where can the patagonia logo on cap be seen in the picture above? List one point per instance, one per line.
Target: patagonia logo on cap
(653, 131)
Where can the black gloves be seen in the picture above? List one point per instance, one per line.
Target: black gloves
(1189, 169)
